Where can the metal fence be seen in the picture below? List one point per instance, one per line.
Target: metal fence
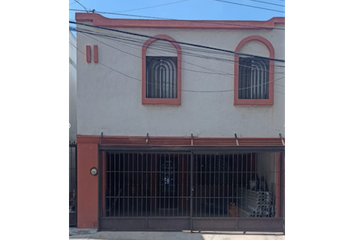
(168, 185)
(233, 185)
(72, 184)
(144, 184)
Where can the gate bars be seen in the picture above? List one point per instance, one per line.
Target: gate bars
(146, 184)
(72, 184)
(194, 186)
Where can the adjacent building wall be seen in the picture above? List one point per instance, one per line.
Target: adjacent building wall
(72, 87)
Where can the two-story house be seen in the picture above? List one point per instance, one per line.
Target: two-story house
(181, 124)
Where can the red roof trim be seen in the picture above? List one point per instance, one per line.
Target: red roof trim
(99, 20)
(179, 141)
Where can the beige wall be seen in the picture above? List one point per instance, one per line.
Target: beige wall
(110, 102)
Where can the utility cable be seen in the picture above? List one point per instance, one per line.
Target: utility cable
(160, 47)
(274, 4)
(163, 47)
(184, 90)
(136, 9)
(245, 5)
(159, 18)
(159, 50)
(182, 43)
(81, 5)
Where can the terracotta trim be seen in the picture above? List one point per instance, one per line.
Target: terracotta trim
(270, 47)
(99, 20)
(95, 53)
(87, 139)
(103, 178)
(178, 141)
(277, 185)
(88, 53)
(165, 101)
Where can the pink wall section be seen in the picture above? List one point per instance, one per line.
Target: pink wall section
(87, 185)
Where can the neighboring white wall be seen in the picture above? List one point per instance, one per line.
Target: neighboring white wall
(72, 88)
(110, 102)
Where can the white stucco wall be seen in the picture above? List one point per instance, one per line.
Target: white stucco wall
(72, 88)
(110, 102)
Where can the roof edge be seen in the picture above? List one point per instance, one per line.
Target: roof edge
(99, 20)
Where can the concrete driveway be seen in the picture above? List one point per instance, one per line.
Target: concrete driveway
(187, 235)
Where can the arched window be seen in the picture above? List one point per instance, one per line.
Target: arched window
(254, 76)
(161, 77)
(161, 72)
(253, 79)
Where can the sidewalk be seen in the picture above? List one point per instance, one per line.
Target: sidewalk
(80, 234)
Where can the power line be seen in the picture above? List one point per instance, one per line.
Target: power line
(213, 73)
(184, 90)
(245, 5)
(159, 18)
(81, 5)
(182, 43)
(73, 2)
(131, 10)
(161, 47)
(267, 3)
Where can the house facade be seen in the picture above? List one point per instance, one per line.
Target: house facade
(180, 124)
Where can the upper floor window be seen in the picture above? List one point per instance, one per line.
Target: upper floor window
(161, 77)
(161, 72)
(254, 76)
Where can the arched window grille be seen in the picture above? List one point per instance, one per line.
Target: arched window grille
(253, 81)
(161, 77)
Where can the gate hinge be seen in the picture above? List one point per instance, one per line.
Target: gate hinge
(282, 139)
(236, 140)
(101, 138)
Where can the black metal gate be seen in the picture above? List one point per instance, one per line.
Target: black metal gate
(72, 184)
(190, 188)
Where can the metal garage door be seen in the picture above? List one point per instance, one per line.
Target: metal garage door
(191, 189)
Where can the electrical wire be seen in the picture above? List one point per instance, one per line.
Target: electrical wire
(162, 47)
(181, 43)
(159, 50)
(267, 3)
(245, 5)
(159, 18)
(184, 90)
(81, 5)
(136, 9)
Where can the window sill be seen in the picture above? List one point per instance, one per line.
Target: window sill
(161, 101)
(257, 102)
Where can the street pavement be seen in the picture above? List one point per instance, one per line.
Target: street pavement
(81, 234)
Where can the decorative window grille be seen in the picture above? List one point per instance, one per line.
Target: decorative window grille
(161, 77)
(253, 78)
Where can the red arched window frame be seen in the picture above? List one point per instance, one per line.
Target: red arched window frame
(164, 101)
(270, 100)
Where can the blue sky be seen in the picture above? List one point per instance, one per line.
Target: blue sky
(184, 9)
